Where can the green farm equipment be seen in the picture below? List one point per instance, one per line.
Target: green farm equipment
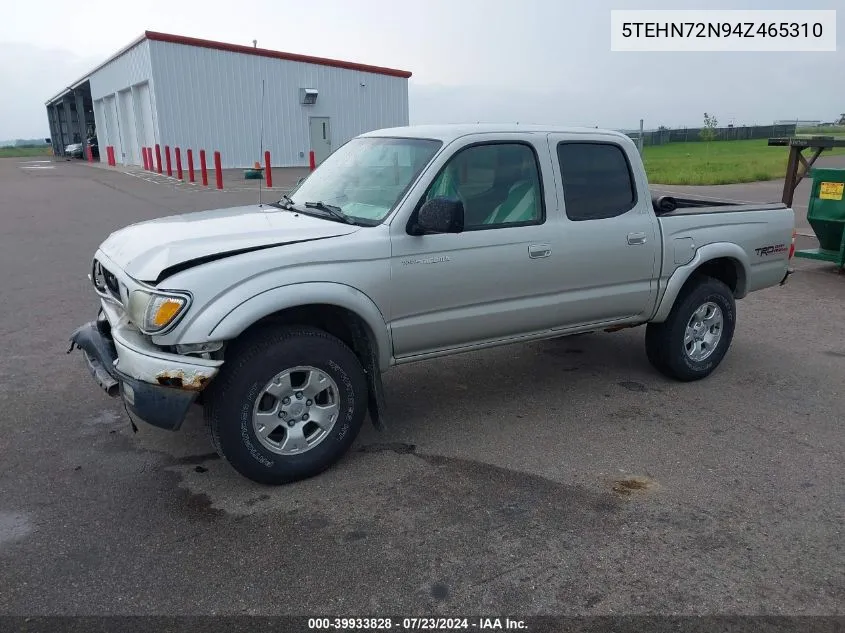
(826, 214)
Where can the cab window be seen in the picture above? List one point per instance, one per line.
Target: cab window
(597, 180)
(498, 183)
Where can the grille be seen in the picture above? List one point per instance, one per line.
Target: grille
(105, 282)
(111, 283)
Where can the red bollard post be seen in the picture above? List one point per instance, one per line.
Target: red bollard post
(178, 164)
(167, 160)
(89, 153)
(146, 158)
(267, 169)
(312, 160)
(203, 169)
(158, 158)
(218, 169)
(150, 160)
(110, 156)
(190, 166)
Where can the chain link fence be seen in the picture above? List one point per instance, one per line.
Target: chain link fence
(729, 133)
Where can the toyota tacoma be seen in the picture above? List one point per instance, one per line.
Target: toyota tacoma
(405, 245)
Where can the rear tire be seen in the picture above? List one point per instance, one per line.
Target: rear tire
(287, 404)
(696, 335)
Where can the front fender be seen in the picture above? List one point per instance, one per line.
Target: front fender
(704, 254)
(226, 323)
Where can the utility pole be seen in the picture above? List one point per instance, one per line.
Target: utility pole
(640, 140)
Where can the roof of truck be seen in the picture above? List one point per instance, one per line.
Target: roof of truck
(449, 132)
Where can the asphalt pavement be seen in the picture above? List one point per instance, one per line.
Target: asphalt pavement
(559, 477)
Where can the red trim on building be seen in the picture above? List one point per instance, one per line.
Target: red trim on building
(234, 48)
(264, 52)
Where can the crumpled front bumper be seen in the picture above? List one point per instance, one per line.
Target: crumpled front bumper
(156, 387)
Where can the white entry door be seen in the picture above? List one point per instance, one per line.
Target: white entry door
(321, 138)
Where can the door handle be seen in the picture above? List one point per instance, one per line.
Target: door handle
(536, 251)
(636, 238)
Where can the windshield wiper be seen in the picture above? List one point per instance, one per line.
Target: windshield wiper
(332, 210)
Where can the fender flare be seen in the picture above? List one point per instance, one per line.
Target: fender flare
(263, 304)
(709, 252)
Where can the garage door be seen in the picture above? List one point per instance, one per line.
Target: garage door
(128, 132)
(144, 114)
(113, 125)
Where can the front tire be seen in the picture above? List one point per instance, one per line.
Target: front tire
(696, 335)
(287, 405)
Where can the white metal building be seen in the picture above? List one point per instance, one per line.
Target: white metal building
(191, 93)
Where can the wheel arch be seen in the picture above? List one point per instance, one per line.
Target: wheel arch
(340, 310)
(723, 261)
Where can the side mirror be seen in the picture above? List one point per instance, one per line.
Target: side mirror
(440, 215)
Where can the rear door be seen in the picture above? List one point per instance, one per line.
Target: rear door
(610, 239)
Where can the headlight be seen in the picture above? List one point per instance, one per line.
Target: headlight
(155, 311)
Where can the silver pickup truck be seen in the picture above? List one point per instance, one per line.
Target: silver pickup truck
(407, 244)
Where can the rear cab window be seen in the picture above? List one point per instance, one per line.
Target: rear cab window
(598, 182)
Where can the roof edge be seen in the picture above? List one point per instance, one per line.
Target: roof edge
(266, 52)
(232, 48)
(87, 75)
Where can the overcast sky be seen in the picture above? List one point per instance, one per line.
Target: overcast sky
(532, 61)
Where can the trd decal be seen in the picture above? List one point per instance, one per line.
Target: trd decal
(771, 250)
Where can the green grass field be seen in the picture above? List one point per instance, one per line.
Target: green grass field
(23, 152)
(717, 163)
(830, 130)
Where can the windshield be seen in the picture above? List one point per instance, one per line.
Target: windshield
(366, 177)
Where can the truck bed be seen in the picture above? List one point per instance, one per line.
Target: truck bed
(674, 206)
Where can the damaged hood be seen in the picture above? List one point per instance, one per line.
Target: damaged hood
(146, 249)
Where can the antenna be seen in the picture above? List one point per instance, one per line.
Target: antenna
(261, 141)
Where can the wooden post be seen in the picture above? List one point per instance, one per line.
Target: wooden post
(790, 181)
(797, 166)
(794, 172)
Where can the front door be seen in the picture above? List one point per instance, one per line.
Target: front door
(321, 138)
(495, 280)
